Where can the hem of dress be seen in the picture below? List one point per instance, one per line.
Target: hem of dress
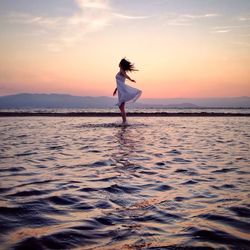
(132, 100)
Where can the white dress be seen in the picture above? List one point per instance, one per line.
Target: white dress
(126, 93)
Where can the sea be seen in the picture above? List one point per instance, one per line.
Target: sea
(155, 183)
(134, 110)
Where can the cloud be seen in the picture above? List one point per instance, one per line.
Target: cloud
(198, 16)
(121, 16)
(220, 31)
(94, 4)
(244, 18)
(92, 16)
(175, 19)
(230, 28)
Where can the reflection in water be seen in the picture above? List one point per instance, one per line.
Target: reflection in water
(127, 143)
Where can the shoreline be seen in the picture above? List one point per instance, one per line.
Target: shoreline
(129, 114)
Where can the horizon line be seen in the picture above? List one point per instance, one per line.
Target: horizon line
(74, 95)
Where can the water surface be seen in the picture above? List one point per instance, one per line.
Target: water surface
(131, 109)
(159, 183)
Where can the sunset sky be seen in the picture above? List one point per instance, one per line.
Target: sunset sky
(182, 48)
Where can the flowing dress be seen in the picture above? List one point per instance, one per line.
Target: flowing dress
(126, 93)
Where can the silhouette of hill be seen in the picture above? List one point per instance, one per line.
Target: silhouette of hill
(25, 100)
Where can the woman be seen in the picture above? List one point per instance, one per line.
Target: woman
(126, 93)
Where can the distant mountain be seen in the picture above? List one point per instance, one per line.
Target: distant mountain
(70, 101)
(55, 101)
(223, 102)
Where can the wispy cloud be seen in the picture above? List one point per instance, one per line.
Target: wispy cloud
(220, 31)
(92, 16)
(229, 28)
(244, 18)
(94, 4)
(199, 16)
(121, 16)
(186, 19)
(46, 22)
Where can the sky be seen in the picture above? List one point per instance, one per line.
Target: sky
(182, 48)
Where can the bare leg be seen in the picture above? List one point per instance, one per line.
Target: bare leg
(122, 108)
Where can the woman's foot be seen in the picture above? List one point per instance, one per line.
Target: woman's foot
(124, 123)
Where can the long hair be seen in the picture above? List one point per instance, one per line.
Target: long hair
(127, 65)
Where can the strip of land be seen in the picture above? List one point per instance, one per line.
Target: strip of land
(131, 114)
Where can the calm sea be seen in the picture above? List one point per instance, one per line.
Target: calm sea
(158, 183)
(129, 109)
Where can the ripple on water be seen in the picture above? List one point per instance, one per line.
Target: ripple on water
(219, 237)
(66, 239)
(32, 214)
(239, 224)
(64, 200)
(181, 160)
(115, 188)
(174, 152)
(241, 211)
(163, 187)
(90, 183)
(190, 182)
(224, 170)
(12, 169)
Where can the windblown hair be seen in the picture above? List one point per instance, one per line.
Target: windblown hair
(127, 65)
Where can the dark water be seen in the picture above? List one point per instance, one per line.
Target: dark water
(134, 110)
(159, 183)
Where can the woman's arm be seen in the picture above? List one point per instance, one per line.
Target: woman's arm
(126, 76)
